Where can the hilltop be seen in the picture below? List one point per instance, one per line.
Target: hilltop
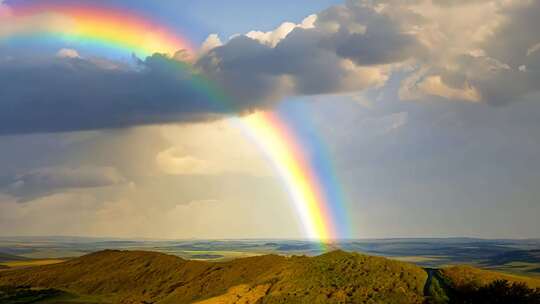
(113, 276)
(137, 276)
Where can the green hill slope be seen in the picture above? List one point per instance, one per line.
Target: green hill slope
(135, 276)
(337, 277)
(466, 284)
(466, 275)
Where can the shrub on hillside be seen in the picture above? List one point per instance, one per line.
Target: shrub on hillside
(500, 291)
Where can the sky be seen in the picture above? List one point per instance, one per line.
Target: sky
(426, 111)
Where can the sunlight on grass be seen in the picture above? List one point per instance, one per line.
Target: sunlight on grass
(21, 264)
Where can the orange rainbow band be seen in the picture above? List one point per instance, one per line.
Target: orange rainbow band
(96, 25)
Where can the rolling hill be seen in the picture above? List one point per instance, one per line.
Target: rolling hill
(137, 276)
(148, 277)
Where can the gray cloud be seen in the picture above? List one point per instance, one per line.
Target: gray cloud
(366, 36)
(45, 181)
(74, 94)
(343, 51)
(510, 45)
(65, 94)
(486, 59)
(487, 55)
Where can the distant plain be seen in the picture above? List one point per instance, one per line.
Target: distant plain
(505, 255)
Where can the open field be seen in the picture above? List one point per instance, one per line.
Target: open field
(30, 263)
(215, 255)
(521, 268)
(510, 256)
(417, 259)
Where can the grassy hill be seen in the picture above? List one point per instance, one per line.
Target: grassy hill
(466, 275)
(137, 276)
(148, 277)
(466, 284)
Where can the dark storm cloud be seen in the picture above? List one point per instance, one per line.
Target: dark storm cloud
(75, 94)
(68, 94)
(348, 47)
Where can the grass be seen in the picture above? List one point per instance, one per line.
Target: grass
(54, 254)
(417, 259)
(27, 295)
(336, 277)
(68, 298)
(136, 276)
(224, 255)
(464, 275)
(521, 268)
(31, 263)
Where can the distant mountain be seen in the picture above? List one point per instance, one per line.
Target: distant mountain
(148, 277)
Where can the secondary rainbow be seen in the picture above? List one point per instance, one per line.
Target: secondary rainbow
(309, 178)
(92, 26)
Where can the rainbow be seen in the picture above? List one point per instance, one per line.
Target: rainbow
(299, 157)
(93, 26)
(281, 145)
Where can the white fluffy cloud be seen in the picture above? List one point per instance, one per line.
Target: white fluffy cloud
(212, 41)
(272, 38)
(475, 51)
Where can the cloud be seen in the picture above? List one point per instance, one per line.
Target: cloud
(67, 94)
(44, 181)
(175, 161)
(456, 50)
(533, 49)
(418, 85)
(272, 38)
(211, 42)
(345, 48)
(197, 149)
(479, 53)
(68, 53)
